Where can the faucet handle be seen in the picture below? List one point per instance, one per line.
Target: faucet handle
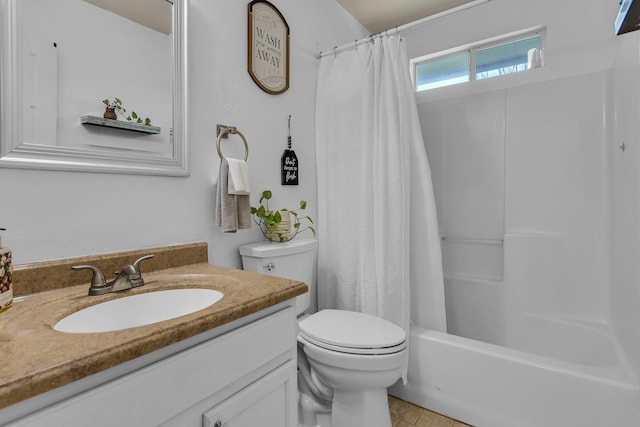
(132, 271)
(136, 264)
(97, 281)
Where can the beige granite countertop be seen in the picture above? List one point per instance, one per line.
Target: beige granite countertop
(36, 359)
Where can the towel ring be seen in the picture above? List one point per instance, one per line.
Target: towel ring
(232, 130)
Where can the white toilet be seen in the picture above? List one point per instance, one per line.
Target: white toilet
(346, 360)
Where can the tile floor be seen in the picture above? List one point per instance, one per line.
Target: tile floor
(405, 414)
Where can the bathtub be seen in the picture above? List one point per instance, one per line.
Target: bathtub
(484, 384)
(524, 348)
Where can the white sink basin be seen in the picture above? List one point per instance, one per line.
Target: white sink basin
(138, 310)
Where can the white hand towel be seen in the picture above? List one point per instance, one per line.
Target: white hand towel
(238, 181)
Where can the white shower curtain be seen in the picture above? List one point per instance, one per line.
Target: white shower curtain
(377, 227)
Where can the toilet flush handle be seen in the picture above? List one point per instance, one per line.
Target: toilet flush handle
(269, 267)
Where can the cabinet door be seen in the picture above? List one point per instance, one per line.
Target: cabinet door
(270, 401)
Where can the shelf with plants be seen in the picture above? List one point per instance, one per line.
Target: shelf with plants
(119, 124)
(114, 108)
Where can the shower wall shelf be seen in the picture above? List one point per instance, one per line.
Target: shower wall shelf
(118, 124)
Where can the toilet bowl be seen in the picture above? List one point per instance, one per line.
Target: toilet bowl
(357, 356)
(346, 360)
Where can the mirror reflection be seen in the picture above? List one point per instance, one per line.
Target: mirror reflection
(76, 56)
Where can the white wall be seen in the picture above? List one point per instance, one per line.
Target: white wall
(51, 215)
(625, 198)
(580, 37)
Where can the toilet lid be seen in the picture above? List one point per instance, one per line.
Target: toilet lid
(352, 332)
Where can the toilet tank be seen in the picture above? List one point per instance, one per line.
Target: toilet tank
(295, 260)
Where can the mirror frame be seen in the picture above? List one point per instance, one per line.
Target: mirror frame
(16, 154)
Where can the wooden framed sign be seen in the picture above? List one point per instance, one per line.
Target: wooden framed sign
(268, 49)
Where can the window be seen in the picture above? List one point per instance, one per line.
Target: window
(490, 58)
(444, 71)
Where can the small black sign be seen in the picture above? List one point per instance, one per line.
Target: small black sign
(289, 163)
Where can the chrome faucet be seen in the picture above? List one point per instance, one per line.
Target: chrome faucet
(127, 278)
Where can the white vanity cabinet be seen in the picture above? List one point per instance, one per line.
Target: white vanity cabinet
(243, 377)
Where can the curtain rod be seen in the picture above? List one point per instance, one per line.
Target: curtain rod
(396, 30)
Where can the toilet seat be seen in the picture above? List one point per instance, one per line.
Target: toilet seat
(352, 332)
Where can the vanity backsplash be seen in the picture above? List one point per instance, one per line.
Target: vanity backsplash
(49, 275)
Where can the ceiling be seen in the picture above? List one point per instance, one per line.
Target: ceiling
(374, 15)
(154, 14)
(380, 15)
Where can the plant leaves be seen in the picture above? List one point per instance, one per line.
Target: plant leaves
(270, 219)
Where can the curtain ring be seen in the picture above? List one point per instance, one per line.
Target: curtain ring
(355, 44)
(335, 51)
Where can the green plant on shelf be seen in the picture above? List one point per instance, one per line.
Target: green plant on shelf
(116, 107)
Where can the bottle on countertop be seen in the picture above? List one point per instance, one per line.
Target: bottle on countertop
(6, 277)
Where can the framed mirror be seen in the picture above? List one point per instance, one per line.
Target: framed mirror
(61, 59)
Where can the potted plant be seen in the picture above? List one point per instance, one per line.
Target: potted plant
(276, 225)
